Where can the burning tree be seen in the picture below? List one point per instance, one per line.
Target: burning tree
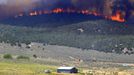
(124, 6)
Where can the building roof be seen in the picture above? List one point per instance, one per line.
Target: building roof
(66, 68)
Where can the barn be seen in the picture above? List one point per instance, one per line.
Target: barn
(67, 70)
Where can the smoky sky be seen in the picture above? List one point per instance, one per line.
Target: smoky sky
(14, 6)
(11, 7)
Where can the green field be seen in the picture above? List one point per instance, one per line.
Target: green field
(25, 68)
(10, 68)
(15, 68)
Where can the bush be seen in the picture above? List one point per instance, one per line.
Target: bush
(35, 56)
(23, 57)
(7, 56)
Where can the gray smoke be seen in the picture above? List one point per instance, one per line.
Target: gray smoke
(9, 7)
(3, 2)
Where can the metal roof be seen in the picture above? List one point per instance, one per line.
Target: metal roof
(66, 68)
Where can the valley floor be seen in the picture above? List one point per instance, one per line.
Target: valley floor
(63, 53)
(50, 57)
(15, 68)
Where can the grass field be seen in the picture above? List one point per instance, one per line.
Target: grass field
(15, 68)
(10, 68)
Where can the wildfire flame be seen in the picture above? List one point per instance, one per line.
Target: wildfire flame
(33, 13)
(116, 17)
(58, 10)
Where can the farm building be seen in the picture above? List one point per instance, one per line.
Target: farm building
(67, 70)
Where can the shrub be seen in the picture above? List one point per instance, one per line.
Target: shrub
(35, 56)
(7, 56)
(19, 44)
(23, 57)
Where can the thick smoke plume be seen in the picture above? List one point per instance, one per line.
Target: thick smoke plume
(106, 7)
(11, 7)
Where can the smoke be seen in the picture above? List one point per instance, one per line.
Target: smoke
(3, 2)
(11, 7)
(108, 7)
(6, 2)
(124, 6)
(50, 4)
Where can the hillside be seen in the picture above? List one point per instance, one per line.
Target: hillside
(102, 35)
(49, 20)
(99, 27)
(70, 29)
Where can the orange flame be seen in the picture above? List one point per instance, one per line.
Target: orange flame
(58, 10)
(118, 17)
(33, 13)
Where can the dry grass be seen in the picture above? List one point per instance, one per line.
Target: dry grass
(10, 68)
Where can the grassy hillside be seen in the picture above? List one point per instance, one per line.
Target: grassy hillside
(101, 35)
(49, 20)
